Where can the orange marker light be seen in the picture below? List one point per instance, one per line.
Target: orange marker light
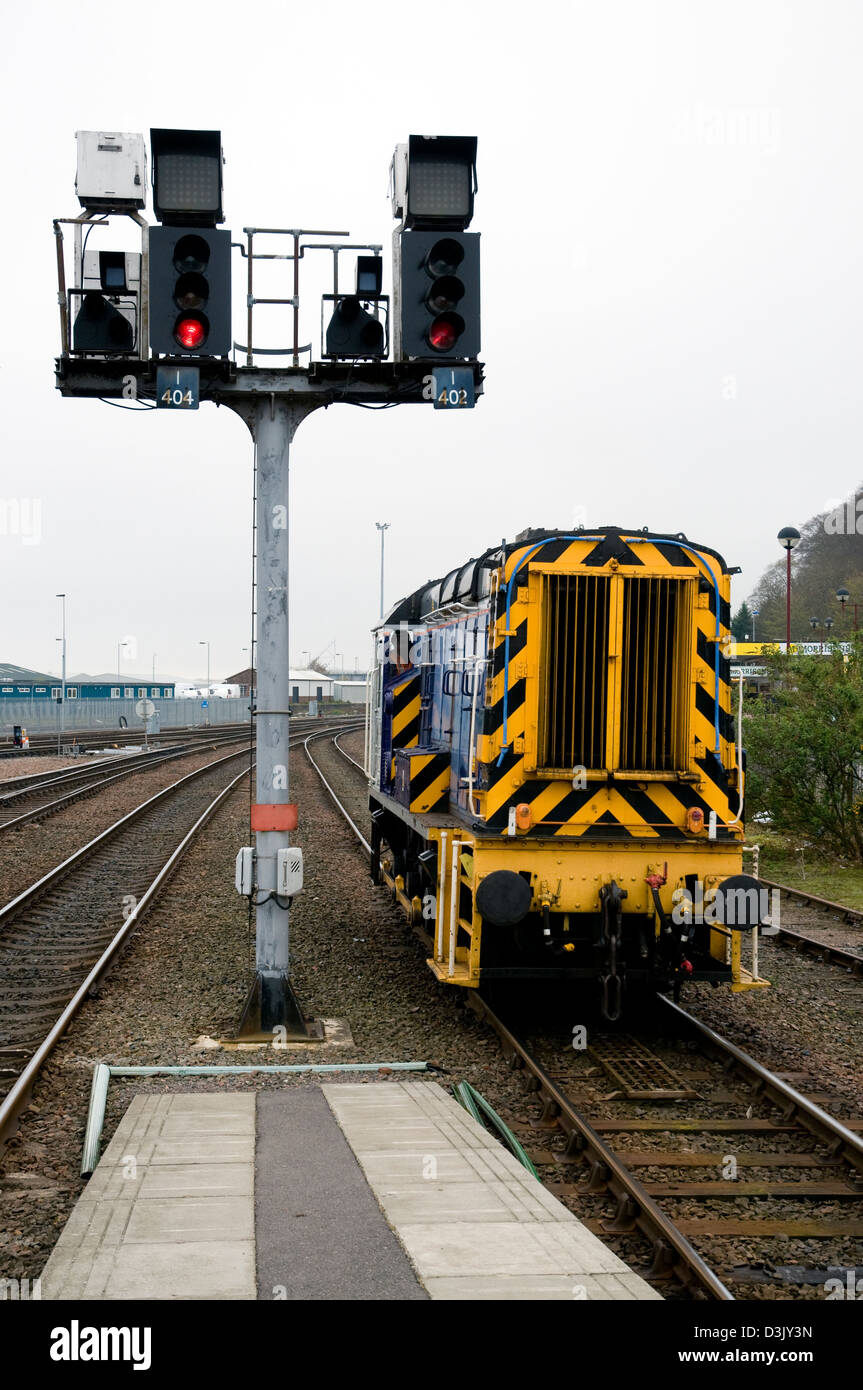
(523, 818)
(695, 819)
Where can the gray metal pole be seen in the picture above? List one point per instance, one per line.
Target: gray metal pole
(271, 1003)
(382, 527)
(62, 676)
(207, 645)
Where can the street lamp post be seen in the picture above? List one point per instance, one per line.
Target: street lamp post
(755, 612)
(788, 538)
(382, 527)
(815, 624)
(207, 645)
(843, 597)
(62, 731)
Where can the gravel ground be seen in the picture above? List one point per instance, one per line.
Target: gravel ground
(13, 768)
(39, 845)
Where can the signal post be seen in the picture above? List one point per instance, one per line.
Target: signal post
(182, 282)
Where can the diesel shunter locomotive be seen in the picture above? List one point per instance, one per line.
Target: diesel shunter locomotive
(555, 788)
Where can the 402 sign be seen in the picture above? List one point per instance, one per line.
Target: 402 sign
(450, 388)
(178, 388)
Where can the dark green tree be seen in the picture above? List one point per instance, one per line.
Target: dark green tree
(741, 624)
(804, 746)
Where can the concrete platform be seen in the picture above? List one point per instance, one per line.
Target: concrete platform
(474, 1222)
(169, 1212)
(383, 1191)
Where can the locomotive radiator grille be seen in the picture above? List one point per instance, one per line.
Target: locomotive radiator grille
(575, 671)
(614, 673)
(654, 675)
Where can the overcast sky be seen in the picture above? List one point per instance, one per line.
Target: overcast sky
(670, 208)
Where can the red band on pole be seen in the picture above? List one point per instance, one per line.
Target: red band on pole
(283, 817)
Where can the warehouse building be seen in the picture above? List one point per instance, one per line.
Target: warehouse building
(19, 683)
(305, 684)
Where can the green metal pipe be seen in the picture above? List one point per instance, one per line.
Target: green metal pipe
(102, 1074)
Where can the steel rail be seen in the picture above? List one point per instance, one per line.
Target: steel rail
(45, 744)
(51, 808)
(355, 828)
(635, 1205)
(359, 767)
(811, 946)
(792, 1103)
(35, 890)
(17, 1098)
(848, 914)
(15, 788)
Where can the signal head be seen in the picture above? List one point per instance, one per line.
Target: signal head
(187, 177)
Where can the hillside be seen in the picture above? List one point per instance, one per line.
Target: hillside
(828, 557)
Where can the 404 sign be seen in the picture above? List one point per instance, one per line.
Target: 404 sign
(178, 388)
(451, 388)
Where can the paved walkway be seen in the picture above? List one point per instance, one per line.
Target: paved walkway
(474, 1222)
(169, 1212)
(381, 1191)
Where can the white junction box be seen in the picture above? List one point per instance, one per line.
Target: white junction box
(112, 169)
(244, 874)
(289, 872)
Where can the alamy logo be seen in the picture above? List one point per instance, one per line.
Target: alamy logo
(845, 518)
(732, 907)
(21, 1290)
(21, 516)
(77, 1343)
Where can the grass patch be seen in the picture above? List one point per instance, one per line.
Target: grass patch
(800, 864)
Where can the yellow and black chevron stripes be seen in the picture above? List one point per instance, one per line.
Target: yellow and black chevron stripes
(429, 783)
(406, 713)
(635, 804)
(406, 717)
(614, 810)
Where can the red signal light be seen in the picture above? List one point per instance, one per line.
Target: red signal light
(190, 333)
(442, 335)
(444, 331)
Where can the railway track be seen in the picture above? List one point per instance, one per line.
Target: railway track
(744, 1161)
(78, 783)
(60, 936)
(771, 1166)
(44, 745)
(851, 958)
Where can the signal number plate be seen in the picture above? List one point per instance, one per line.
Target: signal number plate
(453, 388)
(178, 388)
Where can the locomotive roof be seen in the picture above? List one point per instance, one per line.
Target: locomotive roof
(410, 608)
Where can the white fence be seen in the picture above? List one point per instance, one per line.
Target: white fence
(43, 716)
